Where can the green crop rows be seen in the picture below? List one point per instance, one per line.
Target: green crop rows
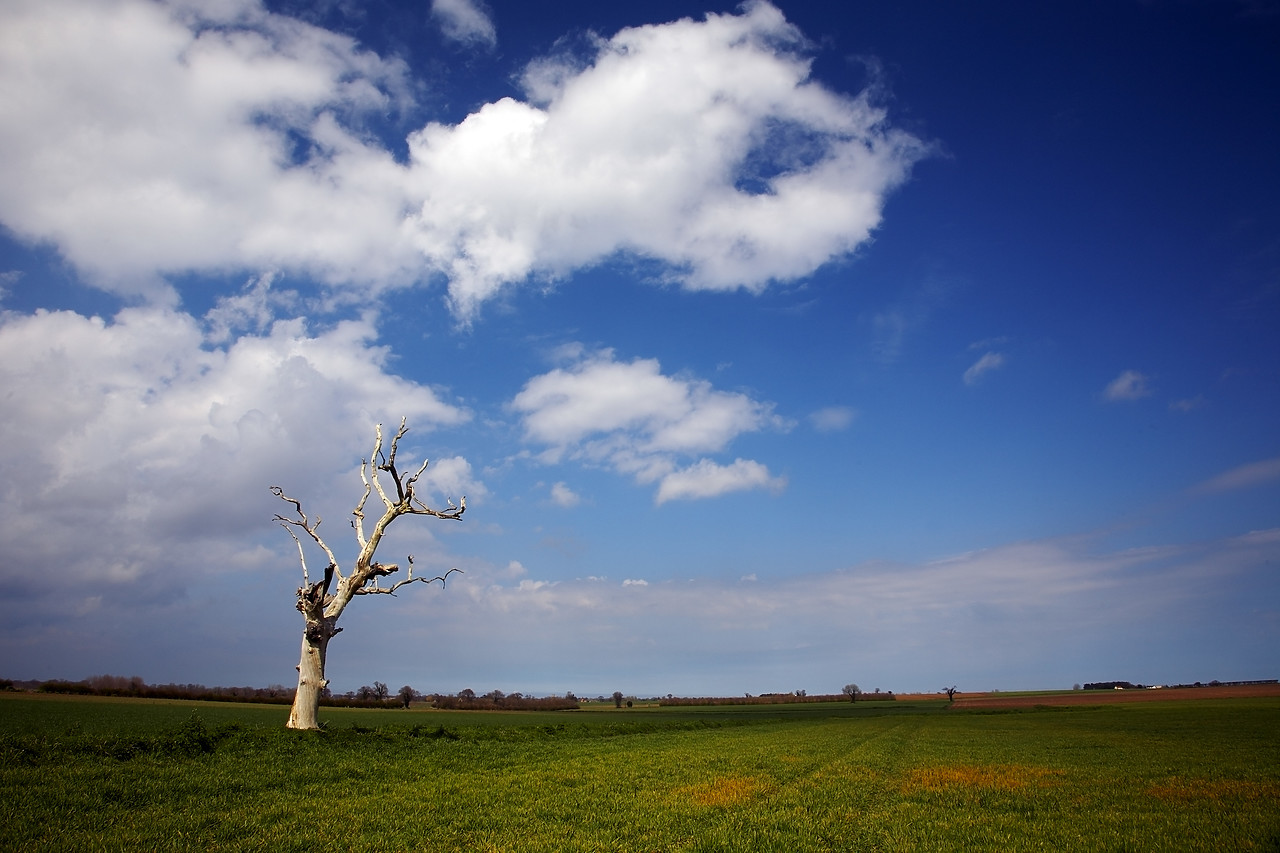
(80, 774)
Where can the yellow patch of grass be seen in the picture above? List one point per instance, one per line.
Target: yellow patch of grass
(1004, 777)
(725, 791)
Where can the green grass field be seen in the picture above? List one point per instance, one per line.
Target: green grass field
(88, 774)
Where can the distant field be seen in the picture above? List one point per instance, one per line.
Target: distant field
(1106, 697)
(79, 773)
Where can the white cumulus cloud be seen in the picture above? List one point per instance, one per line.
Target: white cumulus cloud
(146, 139)
(703, 144)
(139, 439)
(562, 495)
(707, 479)
(637, 420)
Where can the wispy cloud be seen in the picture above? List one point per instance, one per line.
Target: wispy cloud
(8, 278)
(252, 310)
(989, 343)
(984, 365)
(833, 418)
(889, 331)
(1129, 385)
(633, 418)
(465, 21)
(892, 326)
(1243, 477)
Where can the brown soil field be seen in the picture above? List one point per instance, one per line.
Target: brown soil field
(1107, 697)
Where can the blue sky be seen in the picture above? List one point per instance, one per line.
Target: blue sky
(774, 347)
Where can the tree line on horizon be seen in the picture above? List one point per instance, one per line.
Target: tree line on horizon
(774, 699)
(375, 696)
(379, 696)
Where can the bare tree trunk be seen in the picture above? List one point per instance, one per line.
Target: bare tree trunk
(318, 630)
(311, 683)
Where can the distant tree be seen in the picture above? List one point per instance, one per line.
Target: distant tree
(495, 696)
(467, 694)
(617, 698)
(852, 691)
(365, 692)
(951, 693)
(406, 695)
(323, 602)
(380, 691)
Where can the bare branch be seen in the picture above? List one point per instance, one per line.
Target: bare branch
(373, 469)
(312, 531)
(358, 522)
(395, 442)
(453, 512)
(390, 464)
(302, 557)
(297, 505)
(415, 505)
(377, 590)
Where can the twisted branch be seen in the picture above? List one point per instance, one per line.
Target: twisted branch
(312, 530)
(383, 571)
(315, 599)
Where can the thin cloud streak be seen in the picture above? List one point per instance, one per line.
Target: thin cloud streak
(1245, 476)
(1055, 596)
(1129, 385)
(988, 362)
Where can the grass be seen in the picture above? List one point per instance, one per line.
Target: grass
(80, 774)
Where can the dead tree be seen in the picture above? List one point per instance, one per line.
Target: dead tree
(322, 602)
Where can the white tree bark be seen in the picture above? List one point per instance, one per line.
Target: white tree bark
(311, 682)
(320, 607)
